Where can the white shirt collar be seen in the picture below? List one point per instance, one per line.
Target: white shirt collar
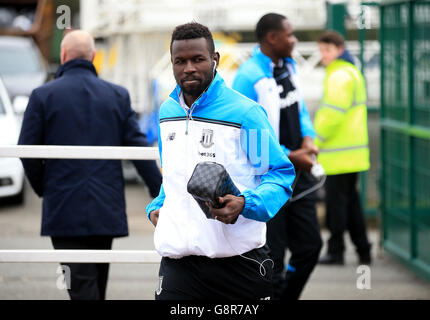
(182, 101)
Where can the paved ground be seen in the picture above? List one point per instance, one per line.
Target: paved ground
(20, 228)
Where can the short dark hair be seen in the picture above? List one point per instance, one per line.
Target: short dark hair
(267, 23)
(193, 30)
(333, 37)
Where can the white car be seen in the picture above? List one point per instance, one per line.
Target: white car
(22, 67)
(11, 170)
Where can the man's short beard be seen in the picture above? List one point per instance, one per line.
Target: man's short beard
(193, 93)
(198, 91)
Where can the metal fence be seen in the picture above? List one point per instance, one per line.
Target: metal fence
(405, 131)
(370, 67)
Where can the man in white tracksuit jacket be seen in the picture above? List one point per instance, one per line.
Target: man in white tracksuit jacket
(204, 120)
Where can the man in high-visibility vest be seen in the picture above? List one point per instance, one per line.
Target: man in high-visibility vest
(341, 128)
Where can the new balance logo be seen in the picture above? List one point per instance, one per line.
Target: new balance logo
(171, 136)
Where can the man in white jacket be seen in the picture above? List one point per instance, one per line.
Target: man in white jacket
(204, 120)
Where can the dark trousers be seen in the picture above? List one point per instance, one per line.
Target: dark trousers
(88, 281)
(203, 278)
(344, 212)
(294, 227)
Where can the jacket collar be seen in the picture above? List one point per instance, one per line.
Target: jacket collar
(211, 93)
(266, 63)
(74, 64)
(344, 59)
(346, 56)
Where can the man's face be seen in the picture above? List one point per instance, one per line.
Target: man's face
(284, 40)
(193, 65)
(329, 52)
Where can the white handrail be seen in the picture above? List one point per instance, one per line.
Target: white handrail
(79, 256)
(78, 152)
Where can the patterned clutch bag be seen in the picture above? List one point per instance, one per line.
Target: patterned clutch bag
(209, 181)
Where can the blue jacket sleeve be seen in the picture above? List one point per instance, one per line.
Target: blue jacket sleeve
(158, 202)
(243, 84)
(307, 129)
(271, 164)
(305, 122)
(285, 149)
(32, 133)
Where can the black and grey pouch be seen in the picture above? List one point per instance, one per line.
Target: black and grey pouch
(209, 181)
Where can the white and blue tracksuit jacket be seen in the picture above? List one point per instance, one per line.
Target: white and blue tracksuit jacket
(255, 80)
(225, 127)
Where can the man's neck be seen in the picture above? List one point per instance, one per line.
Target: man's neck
(275, 59)
(189, 100)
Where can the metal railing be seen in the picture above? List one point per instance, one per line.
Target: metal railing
(79, 256)
(79, 152)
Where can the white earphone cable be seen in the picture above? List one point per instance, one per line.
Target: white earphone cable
(262, 269)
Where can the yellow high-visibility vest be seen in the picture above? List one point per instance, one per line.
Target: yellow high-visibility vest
(341, 121)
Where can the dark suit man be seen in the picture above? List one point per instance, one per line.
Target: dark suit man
(83, 200)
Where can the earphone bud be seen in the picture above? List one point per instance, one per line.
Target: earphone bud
(213, 70)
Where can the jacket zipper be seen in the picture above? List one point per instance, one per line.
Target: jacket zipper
(189, 112)
(189, 117)
(186, 128)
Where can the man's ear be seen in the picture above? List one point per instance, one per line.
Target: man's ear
(62, 56)
(216, 58)
(94, 56)
(272, 37)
